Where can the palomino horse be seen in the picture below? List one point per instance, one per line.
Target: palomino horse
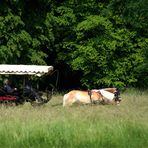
(81, 97)
(105, 96)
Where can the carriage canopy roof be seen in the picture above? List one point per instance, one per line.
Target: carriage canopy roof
(25, 69)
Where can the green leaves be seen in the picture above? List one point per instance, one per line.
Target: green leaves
(107, 56)
(104, 41)
(93, 26)
(9, 37)
(65, 16)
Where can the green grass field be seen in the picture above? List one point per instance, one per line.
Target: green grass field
(89, 126)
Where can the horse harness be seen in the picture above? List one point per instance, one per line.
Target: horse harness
(90, 94)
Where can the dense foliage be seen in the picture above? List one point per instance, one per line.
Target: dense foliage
(92, 43)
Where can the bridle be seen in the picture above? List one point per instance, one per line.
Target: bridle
(117, 97)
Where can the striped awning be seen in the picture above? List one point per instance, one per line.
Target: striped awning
(25, 69)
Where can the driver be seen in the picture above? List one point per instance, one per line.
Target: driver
(7, 86)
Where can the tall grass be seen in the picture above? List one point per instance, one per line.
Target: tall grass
(92, 126)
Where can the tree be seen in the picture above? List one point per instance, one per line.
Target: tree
(106, 55)
(102, 43)
(19, 44)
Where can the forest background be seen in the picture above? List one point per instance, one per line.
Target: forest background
(91, 43)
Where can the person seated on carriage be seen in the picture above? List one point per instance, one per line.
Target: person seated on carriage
(30, 92)
(8, 87)
(27, 88)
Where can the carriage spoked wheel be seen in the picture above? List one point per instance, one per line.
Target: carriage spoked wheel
(46, 96)
(36, 103)
(43, 98)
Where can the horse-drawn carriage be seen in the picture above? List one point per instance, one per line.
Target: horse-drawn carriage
(26, 93)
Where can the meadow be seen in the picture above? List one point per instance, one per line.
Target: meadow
(88, 126)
